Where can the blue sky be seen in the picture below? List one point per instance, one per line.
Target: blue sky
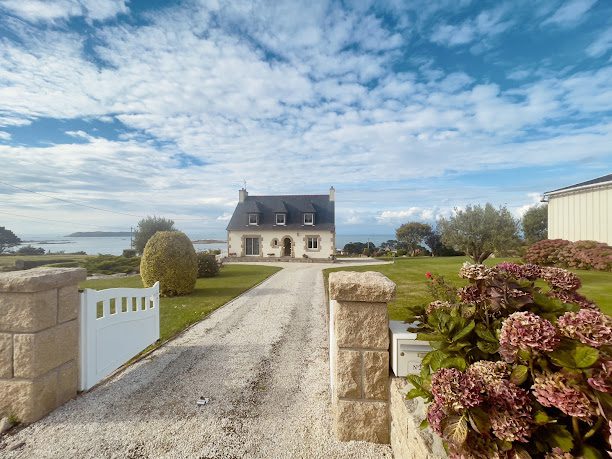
(409, 109)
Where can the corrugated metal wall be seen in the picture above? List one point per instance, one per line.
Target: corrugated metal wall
(581, 215)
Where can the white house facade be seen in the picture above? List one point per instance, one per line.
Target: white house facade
(289, 227)
(581, 212)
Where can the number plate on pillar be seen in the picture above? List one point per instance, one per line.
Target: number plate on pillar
(406, 351)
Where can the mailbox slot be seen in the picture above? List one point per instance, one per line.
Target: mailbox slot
(406, 351)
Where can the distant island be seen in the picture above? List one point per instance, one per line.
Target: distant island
(100, 234)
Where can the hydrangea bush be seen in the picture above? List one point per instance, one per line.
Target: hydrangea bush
(516, 370)
(579, 254)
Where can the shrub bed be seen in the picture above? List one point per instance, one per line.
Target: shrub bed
(580, 254)
(207, 265)
(516, 371)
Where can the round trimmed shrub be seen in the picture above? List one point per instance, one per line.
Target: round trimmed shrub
(169, 257)
(207, 265)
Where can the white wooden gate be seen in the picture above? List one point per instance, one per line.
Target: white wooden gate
(116, 324)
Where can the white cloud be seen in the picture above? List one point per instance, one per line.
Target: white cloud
(5, 135)
(571, 13)
(601, 45)
(486, 25)
(52, 10)
(535, 200)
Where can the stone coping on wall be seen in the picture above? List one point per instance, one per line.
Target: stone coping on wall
(369, 286)
(39, 279)
(408, 440)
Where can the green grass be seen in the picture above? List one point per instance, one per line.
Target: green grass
(178, 313)
(409, 275)
(7, 262)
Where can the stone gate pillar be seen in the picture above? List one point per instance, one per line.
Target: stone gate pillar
(39, 340)
(359, 354)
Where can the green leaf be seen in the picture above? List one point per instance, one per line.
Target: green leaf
(464, 331)
(424, 424)
(519, 374)
(541, 417)
(429, 337)
(456, 429)
(485, 334)
(574, 355)
(417, 392)
(436, 359)
(588, 452)
(487, 347)
(585, 356)
(559, 436)
(454, 362)
(479, 420)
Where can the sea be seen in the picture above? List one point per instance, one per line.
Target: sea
(115, 245)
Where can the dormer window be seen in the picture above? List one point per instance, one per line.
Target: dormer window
(281, 219)
(308, 219)
(253, 219)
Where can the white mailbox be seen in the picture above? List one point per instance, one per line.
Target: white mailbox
(406, 351)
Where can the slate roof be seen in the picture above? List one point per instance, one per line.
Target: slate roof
(293, 205)
(604, 179)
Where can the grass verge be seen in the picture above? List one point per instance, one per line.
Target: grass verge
(409, 275)
(178, 313)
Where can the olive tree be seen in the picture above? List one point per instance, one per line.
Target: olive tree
(147, 227)
(480, 231)
(413, 234)
(8, 239)
(535, 224)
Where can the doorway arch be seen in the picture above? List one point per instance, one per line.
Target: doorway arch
(287, 246)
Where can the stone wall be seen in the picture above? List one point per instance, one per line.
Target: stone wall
(359, 360)
(408, 440)
(39, 340)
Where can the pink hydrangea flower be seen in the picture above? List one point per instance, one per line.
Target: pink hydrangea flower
(601, 380)
(510, 426)
(455, 389)
(435, 416)
(475, 272)
(560, 278)
(431, 307)
(589, 326)
(525, 330)
(559, 391)
(572, 298)
(558, 453)
(470, 294)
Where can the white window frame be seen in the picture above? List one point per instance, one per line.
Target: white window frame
(311, 219)
(312, 242)
(255, 243)
(256, 222)
(284, 222)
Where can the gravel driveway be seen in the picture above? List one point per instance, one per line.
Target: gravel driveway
(263, 362)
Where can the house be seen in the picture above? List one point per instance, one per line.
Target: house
(582, 211)
(289, 227)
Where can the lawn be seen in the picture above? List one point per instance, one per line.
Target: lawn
(177, 313)
(409, 275)
(7, 262)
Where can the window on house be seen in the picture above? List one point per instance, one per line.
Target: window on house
(251, 245)
(253, 219)
(312, 242)
(274, 242)
(308, 219)
(280, 219)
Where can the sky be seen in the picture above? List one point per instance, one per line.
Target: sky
(409, 109)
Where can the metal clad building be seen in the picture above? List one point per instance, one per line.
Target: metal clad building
(581, 212)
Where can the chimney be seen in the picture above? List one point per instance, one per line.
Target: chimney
(332, 194)
(242, 195)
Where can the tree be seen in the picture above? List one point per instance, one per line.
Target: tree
(535, 224)
(413, 234)
(480, 231)
(357, 248)
(8, 239)
(437, 247)
(147, 227)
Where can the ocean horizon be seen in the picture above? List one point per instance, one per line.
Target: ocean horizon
(116, 245)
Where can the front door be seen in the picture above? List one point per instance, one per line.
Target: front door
(286, 247)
